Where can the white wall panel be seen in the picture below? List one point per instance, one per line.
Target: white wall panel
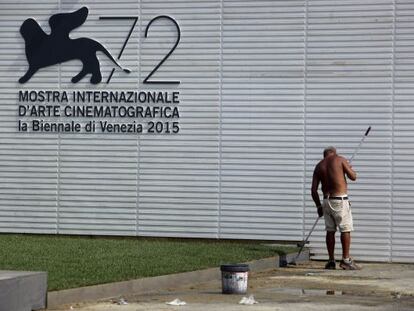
(29, 163)
(261, 139)
(178, 175)
(264, 87)
(98, 172)
(349, 46)
(403, 144)
(98, 185)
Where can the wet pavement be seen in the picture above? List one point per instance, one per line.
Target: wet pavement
(308, 286)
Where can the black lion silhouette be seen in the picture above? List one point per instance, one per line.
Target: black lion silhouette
(43, 50)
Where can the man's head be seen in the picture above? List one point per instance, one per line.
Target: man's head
(329, 151)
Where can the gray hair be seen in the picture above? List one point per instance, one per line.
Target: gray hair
(330, 149)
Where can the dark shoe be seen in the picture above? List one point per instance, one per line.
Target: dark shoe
(351, 265)
(331, 265)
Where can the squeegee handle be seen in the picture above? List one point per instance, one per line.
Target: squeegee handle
(306, 240)
(311, 230)
(359, 145)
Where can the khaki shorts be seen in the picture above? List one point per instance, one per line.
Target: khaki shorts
(337, 213)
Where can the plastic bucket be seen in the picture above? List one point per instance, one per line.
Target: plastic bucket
(234, 278)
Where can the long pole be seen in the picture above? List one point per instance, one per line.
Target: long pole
(359, 145)
(303, 243)
(317, 219)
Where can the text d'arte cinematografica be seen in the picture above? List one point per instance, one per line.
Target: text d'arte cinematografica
(92, 111)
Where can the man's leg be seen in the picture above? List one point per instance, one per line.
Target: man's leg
(346, 243)
(347, 263)
(330, 244)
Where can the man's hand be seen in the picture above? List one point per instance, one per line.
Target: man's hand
(320, 211)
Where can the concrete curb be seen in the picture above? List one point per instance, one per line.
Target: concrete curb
(22, 290)
(152, 284)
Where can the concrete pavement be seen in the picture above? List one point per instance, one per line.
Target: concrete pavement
(308, 286)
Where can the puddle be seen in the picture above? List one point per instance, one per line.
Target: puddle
(307, 292)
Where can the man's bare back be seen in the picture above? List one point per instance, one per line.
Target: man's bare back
(331, 172)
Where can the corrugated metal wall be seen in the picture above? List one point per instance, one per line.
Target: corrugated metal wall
(262, 143)
(402, 215)
(265, 86)
(350, 86)
(97, 174)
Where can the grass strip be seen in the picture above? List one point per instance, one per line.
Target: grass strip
(75, 261)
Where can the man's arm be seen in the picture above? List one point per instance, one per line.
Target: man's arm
(350, 173)
(315, 195)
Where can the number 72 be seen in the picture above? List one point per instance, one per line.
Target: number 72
(135, 19)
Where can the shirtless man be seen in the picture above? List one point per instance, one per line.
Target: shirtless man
(331, 172)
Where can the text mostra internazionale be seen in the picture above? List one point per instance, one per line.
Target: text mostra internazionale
(98, 104)
(102, 97)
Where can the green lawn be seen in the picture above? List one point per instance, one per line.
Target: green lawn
(81, 261)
